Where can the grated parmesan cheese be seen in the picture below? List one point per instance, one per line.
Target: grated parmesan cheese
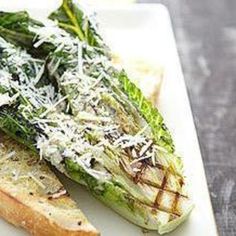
(84, 81)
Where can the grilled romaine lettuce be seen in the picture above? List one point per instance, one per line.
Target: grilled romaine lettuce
(89, 120)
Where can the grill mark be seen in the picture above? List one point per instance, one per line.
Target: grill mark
(161, 191)
(156, 207)
(138, 176)
(174, 206)
(176, 200)
(162, 209)
(141, 180)
(158, 166)
(164, 189)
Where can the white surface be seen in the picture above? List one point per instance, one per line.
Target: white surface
(145, 30)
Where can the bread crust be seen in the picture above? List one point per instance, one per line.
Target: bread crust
(32, 197)
(21, 215)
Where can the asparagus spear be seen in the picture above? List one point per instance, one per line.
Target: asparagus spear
(128, 165)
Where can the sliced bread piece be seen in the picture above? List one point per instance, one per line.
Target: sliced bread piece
(32, 197)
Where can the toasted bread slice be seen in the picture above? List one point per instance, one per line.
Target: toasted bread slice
(147, 75)
(32, 197)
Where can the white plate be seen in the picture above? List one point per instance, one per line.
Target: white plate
(144, 31)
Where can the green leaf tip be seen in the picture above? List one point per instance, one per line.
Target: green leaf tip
(150, 113)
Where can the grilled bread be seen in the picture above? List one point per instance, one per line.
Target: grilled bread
(32, 197)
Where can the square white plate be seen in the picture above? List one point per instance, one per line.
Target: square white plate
(145, 31)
